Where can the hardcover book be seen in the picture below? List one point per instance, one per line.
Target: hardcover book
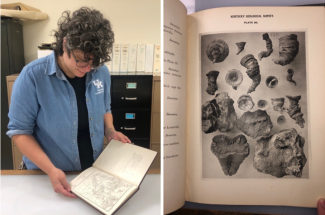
(114, 177)
(244, 106)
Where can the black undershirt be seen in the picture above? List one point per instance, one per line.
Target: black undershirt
(83, 139)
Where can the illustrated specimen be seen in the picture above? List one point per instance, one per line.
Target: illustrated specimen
(280, 154)
(290, 73)
(253, 71)
(212, 82)
(230, 152)
(245, 103)
(255, 124)
(262, 104)
(288, 49)
(269, 49)
(218, 114)
(271, 81)
(278, 104)
(217, 51)
(281, 120)
(294, 110)
(234, 78)
(241, 46)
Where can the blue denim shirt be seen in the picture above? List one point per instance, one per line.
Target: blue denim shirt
(43, 104)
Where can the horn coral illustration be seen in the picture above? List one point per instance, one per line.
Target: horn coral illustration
(262, 104)
(217, 51)
(234, 77)
(230, 152)
(294, 110)
(218, 114)
(212, 82)
(253, 71)
(280, 154)
(288, 49)
(290, 73)
(245, 103)
(241, 46)
(269, 49)
(255, 124)
(278, 104)
(271, 81)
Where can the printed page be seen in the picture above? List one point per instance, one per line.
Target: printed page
(255, 106)
(103, 191)
(174, 98)
(126, 161)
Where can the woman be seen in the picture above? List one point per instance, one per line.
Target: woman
(60, 104)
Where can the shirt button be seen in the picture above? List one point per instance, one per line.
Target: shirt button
(87, 100)
(95, 151)
(92, 135)
(91, 118)
(76, 159)
(74, 141)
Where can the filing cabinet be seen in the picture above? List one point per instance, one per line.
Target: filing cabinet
(131, 106)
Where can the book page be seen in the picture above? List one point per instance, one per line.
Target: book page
(126, 161)
(103, 191)
(255, 110)
(174, 97)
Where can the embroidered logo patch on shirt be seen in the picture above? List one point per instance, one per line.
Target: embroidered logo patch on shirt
(99, 85)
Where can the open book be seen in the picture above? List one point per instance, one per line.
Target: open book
(114, 177)
(244, 106)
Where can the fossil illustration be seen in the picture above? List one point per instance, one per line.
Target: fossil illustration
(245, 103)
(290, 73)
(271, 81)
(269, 49)
(212, 82)
(278, 104)
(280, 154)
(217, 51)
(230, 152)
(262, 104)
(294, 110)
(288, 49)
(234, 78)
(255, 124)
(218, 114)
(241, 46)
(253, 71)
(281, 120)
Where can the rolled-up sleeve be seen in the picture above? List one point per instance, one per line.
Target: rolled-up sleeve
(24, 105)
(107, 91)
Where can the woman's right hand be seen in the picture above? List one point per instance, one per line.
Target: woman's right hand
(59, 182)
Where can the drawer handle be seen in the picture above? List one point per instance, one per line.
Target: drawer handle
(127, 98)
(129, 128)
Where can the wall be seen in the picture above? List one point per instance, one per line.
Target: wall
(132, 21)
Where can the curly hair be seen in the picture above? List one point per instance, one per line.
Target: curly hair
(88, 31)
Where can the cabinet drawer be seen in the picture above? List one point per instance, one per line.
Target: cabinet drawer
(131, 91)
(132, 123)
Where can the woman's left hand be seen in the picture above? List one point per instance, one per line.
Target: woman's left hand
(116, 135)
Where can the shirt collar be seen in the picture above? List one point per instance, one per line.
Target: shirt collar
(53, 67)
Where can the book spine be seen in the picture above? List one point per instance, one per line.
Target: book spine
(132, 57)
(116, 57)
(149, 58)
(141, 54)
(156, 61)
(124, 58)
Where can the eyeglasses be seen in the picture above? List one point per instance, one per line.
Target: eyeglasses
(81, 64)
